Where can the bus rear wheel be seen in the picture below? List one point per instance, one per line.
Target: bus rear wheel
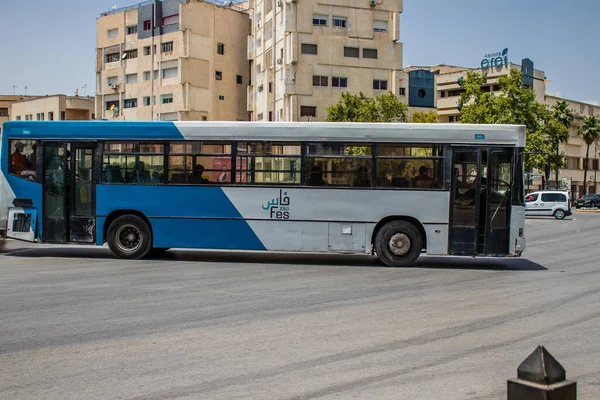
(129, 237)
(398, 244)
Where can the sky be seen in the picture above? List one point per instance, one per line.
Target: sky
(49, 46)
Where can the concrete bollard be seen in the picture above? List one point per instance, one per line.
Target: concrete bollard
(541, 377)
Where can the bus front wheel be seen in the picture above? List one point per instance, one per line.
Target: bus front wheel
(129, 237)
(398, 244)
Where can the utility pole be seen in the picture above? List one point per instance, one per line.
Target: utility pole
(26, 87)
(84, 87)
(15, 90)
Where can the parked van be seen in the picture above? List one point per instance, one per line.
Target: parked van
(548, 203)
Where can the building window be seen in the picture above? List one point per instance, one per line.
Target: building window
(166, 98)
(221, 97)
(147, 25)
(219, 75)
(39, 116)
(402, 91)
(112, 105)
(3, 111)
(340, 22)
(146, 101)
(147, 50)
(572, 162)
(320, 20)
(146, 75)
(113, 33)
(309, 48)
(170, 73)
(443, 93)
(380, 26)
(220, 48)
(130, 103)
(166, 47)
(259, 117)
(270, 115)
(112, 81)
(170, 20)
(131, 78)
(379, 84)
(339, 82)
(260, 88)
(308, 111)
(270, 87)
(454, 93)
(320, 80)
(63, 115)
(18, 117)
(353, 52)
(238, 79)
(112, 57)
(132, 29)
(155, 74)
(496, 88)
(370, 53)
(128, 54)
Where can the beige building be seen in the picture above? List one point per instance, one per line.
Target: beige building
(172, 60)
(6, 102)
(50, 108)
(304, 54)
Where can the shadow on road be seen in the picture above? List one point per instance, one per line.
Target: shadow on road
(432, 262)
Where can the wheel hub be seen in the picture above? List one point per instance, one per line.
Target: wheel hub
(399, 244)
(128, 238)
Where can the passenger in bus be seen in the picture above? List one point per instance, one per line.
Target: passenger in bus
(315, 178)
(197, 178)
(33, 157)
(362, 177)
(423, 180)
(139, 173)
(19, 165)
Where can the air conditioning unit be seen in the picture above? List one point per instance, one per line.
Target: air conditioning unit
(115, 86)
(373, 3)
(279, 3)
(279, 61)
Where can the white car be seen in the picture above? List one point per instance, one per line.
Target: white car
(548, 203)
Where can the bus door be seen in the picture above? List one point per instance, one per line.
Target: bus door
(499, 173)
(465, 198)
(69, 193)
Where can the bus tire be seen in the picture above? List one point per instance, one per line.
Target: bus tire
(398, 244)
(129, 237)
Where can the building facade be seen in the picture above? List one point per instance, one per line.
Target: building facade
(50, 108)
(172, 60)
(6, 102)
(304, 54)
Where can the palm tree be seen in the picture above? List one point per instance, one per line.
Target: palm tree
(563, 114)
(589, 131)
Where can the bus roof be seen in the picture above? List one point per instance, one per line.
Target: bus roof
(269, 131)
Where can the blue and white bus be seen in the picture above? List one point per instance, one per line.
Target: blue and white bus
(394, 190)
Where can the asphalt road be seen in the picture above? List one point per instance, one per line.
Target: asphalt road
(77, 324)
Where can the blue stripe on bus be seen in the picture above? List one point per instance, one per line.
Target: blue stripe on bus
(199, 216)
(91, 130)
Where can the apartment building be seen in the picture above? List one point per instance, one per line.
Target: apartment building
(56, 107)
(172, 60)
(304, 54)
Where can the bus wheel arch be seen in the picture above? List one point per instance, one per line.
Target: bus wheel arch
(398, 240)
(117, 224)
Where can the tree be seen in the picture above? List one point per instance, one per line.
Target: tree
(421, 117)
(562, 114)
(589, 130)
(360, 108)
(514, 105)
